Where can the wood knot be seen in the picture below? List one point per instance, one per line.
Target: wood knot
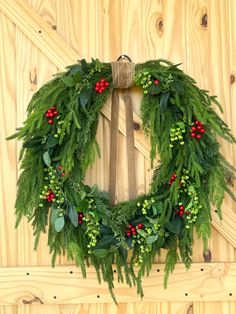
(230, 181)
(33, 78)
(35, 299)
(160, 25)
(204, 20)
(207, 256)
(232, 78)
(54, 27)
(136, 126)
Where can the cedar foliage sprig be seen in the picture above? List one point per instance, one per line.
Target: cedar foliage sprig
(192, 175)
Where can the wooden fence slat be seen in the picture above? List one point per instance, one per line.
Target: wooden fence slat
(64, 285)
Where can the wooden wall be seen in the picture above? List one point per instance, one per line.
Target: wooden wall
(41, 37)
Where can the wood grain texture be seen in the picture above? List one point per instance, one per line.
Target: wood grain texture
(64, 285)
(201, 34)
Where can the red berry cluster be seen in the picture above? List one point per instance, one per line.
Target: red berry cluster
(80, 218)
(50, 196)
(60, 168)
(155, 82)
(132, 230)
(197, 130)
(172, 178)
(180, 212)
(101, 86)
(51, 112)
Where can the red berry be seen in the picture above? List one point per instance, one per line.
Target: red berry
(50, 121)
(197, 122)
(175, 175)
(170, 183)
(50, 114)
(199, 136)
(181, 207)
(81, 215)
(80, 222)
(97, 88)
(49, 111)
(100, 91)
(199, 127)
(63, 174)
(47, 115)
(97, 84)
(102, 88)
(107, 84)
(156, 82)
(60, 167)
(53, 108)
(102, 80)
(140, 226)
(194, 128)
(55, 113)
(187, 212)
(134, 232)
(128, 234)
(202, 130)
(193, 134)
(130, 226)
(133, 229)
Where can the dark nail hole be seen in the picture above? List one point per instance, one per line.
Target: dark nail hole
(71, 272)
(114, 270)
(158, 270)
(40, 31)
(216, 211)
(230, 294)
(27, 274)
(54, 297)
(98, 296)
(186, 294)
(202, 269)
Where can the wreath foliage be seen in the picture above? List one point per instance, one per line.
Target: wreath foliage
(59, 144)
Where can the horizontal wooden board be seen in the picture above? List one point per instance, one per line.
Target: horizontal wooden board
(65, 285)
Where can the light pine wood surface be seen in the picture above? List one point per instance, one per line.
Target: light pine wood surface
(39, 38)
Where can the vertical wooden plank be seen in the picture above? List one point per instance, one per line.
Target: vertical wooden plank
(8, 167)
(214, 307)
(174, 31)
(153, 27)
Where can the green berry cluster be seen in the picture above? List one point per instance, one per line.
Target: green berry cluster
(176, 133)
(144, 248)
(58, 130)
(92, 231)
(194, 206)
(53, 187)
(184, 180)
(144, 79)
(146, 205)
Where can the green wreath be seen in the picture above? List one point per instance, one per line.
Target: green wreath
(59, 145)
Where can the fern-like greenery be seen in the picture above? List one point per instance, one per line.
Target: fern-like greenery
(59, 144)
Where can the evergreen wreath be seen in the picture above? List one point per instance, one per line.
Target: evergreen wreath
(59, 144)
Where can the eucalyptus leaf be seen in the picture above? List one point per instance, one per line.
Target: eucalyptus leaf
(59, 223)
(106, 241)
(175, 226)
(47, 159)
(68, 81)
(54, 215)
(85, 96)
(142, 233)
(153, 220)
(100, 253)
(152, 239)
(73, 215)
(52, 141)
(190, 204)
